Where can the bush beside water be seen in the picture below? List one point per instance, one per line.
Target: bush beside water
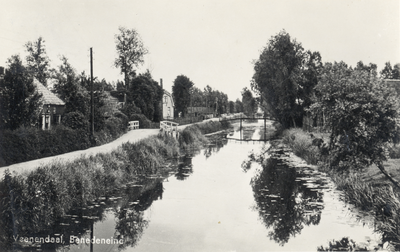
(33, 202)
(378, 199)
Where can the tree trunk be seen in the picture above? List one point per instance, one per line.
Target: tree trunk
(382, 168)
(126, 80)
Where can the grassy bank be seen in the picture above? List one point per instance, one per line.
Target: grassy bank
(33, 202)
(367, 189)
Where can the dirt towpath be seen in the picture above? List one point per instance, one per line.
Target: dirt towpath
(131, 136)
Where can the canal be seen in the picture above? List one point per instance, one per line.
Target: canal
(210, 202)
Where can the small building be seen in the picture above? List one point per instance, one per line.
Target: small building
(167, 105)
(53, 107)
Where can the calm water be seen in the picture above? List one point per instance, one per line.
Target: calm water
(211, 204)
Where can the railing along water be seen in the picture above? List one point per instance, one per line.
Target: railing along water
(169, 127)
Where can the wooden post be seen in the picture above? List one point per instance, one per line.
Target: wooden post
(265, 130)
(91, 92)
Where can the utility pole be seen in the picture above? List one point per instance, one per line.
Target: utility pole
(91, 92)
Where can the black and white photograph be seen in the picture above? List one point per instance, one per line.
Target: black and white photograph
(199, 125)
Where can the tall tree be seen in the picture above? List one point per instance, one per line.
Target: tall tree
(210, 97)
(68, 87)
(146, 94)
(38, 62)
(249, 102)
(231, 107)
(130, 50)
(197, 97)
(19, 101)
(390, 73)
(181, 93)
(387, 71)
(370, 69)
(312, 66)
(238, 106)
(278, 73)
(361, 114)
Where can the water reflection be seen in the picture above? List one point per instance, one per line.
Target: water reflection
(215, 146)
(185, 168)
(72, 230)
(286, 199)
(154, 214)
(130, 222)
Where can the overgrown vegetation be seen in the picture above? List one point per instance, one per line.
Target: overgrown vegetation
(29, 143)
(33, 202)
(303, 146)
(377, 198)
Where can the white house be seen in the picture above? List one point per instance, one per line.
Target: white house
(167, 106)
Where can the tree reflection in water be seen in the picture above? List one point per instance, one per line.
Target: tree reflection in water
(216, 144)
(128, 205)
(185, 168)
(286, 200)
(130, 222)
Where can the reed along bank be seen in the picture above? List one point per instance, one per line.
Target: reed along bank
(367, 188)
(33, 202)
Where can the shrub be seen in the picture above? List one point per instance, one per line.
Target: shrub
(26, 144)
(192, 137)
(302, 145)
(75, 120)
(113, 126)
(124, 120)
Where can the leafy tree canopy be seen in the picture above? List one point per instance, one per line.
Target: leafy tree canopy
(68, 87)
(284, 77)
(181, 93)
(38, 62)
(249, 102)
(130, 50)
(360, 112)
(238, 106)
(20, 102)
(146, 94)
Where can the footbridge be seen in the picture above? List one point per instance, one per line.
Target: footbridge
(242, 118)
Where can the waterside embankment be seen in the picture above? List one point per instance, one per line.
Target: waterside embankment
(367, 189)
(36, 200)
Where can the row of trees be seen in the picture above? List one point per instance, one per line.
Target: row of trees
(20, 103)
(186, 94)
(285, 75)
(355, 104)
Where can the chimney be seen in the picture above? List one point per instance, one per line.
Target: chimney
(161, 84)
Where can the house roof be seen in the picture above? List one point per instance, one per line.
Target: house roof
(47, 96)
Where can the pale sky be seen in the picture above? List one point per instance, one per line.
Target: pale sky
(213, 42)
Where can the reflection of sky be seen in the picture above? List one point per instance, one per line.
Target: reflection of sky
(256, 136)
(212, 211)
